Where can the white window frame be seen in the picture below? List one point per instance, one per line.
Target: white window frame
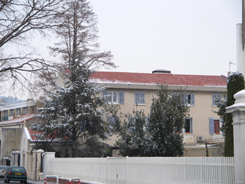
(114, 97)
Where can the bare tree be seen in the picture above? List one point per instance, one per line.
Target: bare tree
(77, 32)
(19, 18)
(76, 112)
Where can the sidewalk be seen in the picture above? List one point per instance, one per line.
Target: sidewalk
(29, 181)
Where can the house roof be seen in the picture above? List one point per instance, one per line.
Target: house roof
(18, 120)
(161, 78)
(34, 134)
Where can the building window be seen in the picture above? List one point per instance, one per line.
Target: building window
(188, 126)
(18, 112)
(189, 99)
(24, 110)
(139, 97)
(215, 99)
(214, 126)
(5, 116)
(11, 113)
(114, 97)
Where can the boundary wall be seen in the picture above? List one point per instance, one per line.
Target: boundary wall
(144, 170)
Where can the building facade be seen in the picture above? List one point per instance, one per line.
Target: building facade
(136, 91)
(11, 111)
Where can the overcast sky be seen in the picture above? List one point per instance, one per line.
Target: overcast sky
(183, 36)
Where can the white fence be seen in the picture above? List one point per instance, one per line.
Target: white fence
(146, 170)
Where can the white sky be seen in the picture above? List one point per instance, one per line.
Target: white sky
(183, 36)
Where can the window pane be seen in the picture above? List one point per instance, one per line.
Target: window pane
(24, 110)
(114, 97)
(11, 112)
(216, 97)
(109, 97)
(18, 111)
(5, 115)
(187, 126)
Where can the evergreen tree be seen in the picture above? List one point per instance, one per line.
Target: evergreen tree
(75, 112)
(158, 134)
(235, 84)
(222, 104)
(133, 136)
(167, 118)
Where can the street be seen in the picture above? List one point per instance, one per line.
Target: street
(28, 181)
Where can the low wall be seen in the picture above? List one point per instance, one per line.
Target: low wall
(146, 170)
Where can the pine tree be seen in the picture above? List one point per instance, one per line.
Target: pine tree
(235, 84)
(74, 112)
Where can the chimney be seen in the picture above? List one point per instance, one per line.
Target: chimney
(161, 71)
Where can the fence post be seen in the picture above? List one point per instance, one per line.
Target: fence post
(46, 157)
(238, 112)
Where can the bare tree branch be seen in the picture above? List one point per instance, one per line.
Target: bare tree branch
(76, 28)
(19, 18)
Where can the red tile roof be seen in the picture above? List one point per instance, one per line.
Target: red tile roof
(163, 78)
(34, 134)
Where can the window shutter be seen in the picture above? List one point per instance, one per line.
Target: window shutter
(137, 97)
(192, 99)
(191, 125)
(213, 100)
(121, 97)
(143, 97)
(211, 126)
(105, 96)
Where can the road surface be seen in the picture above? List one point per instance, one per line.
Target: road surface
(28, 182)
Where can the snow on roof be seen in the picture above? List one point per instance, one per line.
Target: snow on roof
(18, 120)
(27, 133)
(161, 78)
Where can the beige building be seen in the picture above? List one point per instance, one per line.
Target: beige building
(129, 89)
(12, 119)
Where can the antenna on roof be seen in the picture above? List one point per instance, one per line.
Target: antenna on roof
(230, 63)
